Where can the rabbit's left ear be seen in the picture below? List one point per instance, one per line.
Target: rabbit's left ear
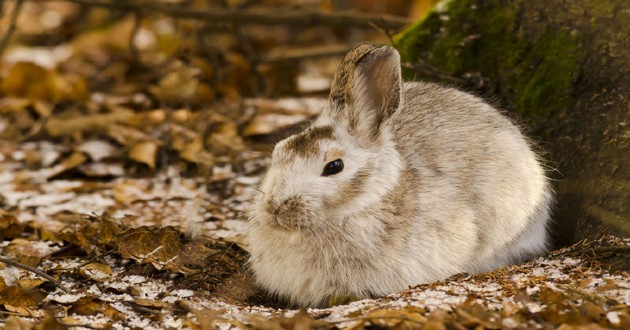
(368, 89)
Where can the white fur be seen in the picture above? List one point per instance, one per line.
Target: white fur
(480, 198)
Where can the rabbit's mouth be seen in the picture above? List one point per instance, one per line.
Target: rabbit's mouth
(292, 213)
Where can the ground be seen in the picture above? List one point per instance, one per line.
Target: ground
(114, 246)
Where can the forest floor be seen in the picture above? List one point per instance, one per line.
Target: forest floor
(130, 146)
(113, 248)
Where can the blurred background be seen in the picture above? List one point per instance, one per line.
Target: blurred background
(77, 69)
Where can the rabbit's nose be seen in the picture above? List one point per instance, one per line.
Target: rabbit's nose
(290, 213)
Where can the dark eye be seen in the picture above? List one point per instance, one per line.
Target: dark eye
(333, 167)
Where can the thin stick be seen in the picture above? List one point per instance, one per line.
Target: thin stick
(297, 54)
(428, 70)
(14, 15)
(34, 270)
(260, 16)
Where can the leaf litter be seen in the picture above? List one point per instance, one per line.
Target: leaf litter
(126, 179)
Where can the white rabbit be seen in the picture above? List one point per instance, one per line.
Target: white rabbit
(395, 184)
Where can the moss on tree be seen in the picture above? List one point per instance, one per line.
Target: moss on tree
(534, 69)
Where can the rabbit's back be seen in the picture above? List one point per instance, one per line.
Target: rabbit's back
(477, 177)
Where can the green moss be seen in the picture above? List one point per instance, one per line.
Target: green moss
(533, 71)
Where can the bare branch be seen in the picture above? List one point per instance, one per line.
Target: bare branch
(35, 271)
(14, 15)
(297, 54)
(259, 16)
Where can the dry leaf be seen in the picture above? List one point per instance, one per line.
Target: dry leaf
(57, 127)
(17, 323)
(30, 283)
(179, 85)
(270, 123)
(126, 136)
(194, 152)
(96, 271)
(160, 247)
(145, 153)
(29, 80)
(90, 306)
(20, 299)
(71, 162)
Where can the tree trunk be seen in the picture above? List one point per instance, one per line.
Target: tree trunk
(564, 67)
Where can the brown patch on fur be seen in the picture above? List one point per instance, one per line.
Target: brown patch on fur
(307, 142)
(333, 155)
(400, 208)
(340, 94)
(351, 190)
(291, 213)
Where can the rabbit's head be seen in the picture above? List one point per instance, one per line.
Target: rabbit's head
(346, 160)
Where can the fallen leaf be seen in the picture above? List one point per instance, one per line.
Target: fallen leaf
(144, 153)
(71, 162)
(96, 271)
(58, 127)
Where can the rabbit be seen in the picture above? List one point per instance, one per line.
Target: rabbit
(393, 185)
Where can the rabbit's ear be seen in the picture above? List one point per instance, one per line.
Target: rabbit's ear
(367, 89)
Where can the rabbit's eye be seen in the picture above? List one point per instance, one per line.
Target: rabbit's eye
(333, 167)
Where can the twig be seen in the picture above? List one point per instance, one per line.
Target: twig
(34, 270)
(259, 16)
(384, 32)
(282, 54)
(431, 71)
(140, 308)
(12, 20)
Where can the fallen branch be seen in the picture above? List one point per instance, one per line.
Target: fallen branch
(259, 16)
(297, 54)
(35, 271)
(14, 15)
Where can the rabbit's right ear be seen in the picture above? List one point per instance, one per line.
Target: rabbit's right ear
(367, 89)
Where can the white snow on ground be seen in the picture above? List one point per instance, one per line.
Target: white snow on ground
(169, 198)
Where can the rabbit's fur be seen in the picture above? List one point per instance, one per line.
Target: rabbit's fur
(435, 182)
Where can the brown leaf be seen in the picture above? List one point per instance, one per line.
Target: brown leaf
(29, 80)
(127, 136)
(146, 118)
(195, 152)
(50, 323)
(96, 271)
(404, 318)
(57, 127)
(90, 306)
(225, 139)
(16, 323)
(128, 191)
(30, 283)
(434, 325)
(179, 85)
(71, 162)
(160, 247)
(270, 123)
(96, 235)
(20, 297)
(145, 153)
(9, 226)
